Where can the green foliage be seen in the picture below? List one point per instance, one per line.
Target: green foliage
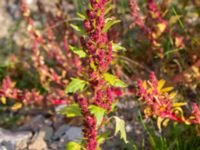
(113, 80)
(109, 24)
(78, 51)
(98, 112)
(78, 29)
(75, 85)
(82, 16)
(72, 146)
(72, 110)
(116, 47)
(120, 128)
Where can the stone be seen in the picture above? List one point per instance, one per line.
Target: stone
(60, 132)
(34, 124)
(14, 140)
(73, 134)
(39, 142)
(48, 133)
(3, 148)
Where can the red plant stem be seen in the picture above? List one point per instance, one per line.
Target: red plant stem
(99, 52)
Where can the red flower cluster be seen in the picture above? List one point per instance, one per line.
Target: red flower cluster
(89, 130)
(195, 118)
(99, 51)
(135, 12)
(156, 103)
(159, 102)
(8, 90)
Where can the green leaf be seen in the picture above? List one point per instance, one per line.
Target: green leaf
(82, 16)
(72, 110)
(98, 112)
(75, 85)
(101, 138)
(116, 47)
(72, 146)
(108, 9)
(78, 51)
(108, 6)
(113, 80)
(120, 128)
(109, 24)
(77, 28)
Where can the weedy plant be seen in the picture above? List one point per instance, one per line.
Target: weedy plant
(92, 86)
(76, 62)
(94, 95)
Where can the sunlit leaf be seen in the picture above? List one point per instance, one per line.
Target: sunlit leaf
(108, 9)
(165, 122)
(116, 47)
(167, 89)
(174, 19)
(159, 123)
(161, 83)
(3, 100)
(75, 85)
(82, 16)
(16, 106)
(77, 28)
(98, 112)
(73, 146)
(109, 24)
(161, 28)
(179, 104)
(72, 110)
(120, 128)
(144, 84)
(78, 51)
(172, 95)
(113, 80)
(179, 112)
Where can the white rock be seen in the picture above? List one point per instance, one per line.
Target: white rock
(39, 143)
(14, 140)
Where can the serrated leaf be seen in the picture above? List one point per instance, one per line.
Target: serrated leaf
(116, 47)
(16, 106)
(72, 110)
(109, 24)
(77, 28)
(75, 85)
(120, 128)
(73, 146)
(78, 51)
(98, 112)
(113, 80)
